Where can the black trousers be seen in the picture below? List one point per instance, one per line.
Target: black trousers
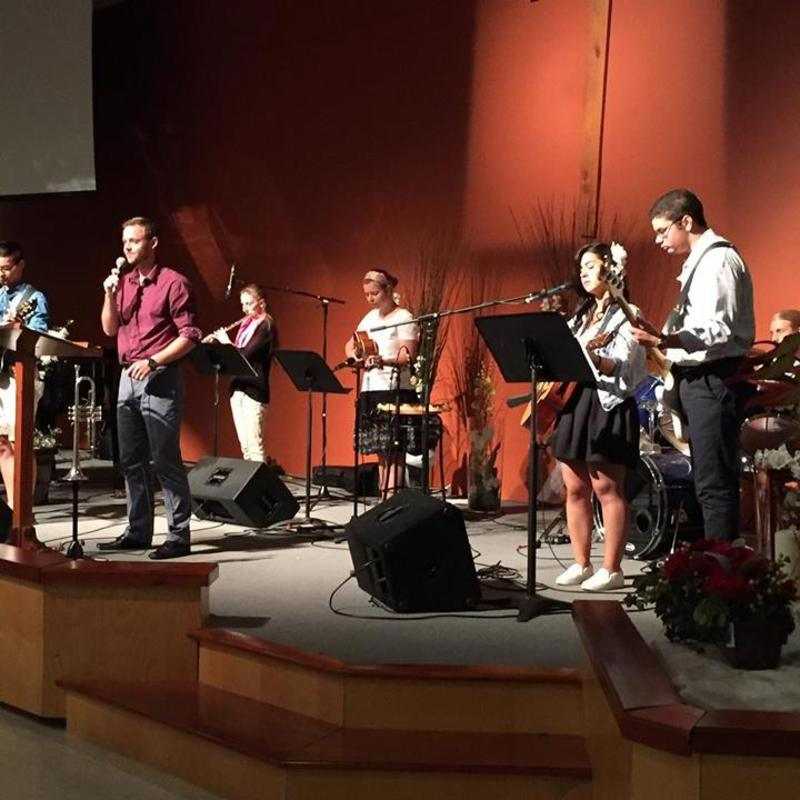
(712, 410)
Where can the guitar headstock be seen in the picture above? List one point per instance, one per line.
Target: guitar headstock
(25, 310)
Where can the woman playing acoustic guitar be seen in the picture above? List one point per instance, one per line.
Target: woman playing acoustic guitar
(597, 435)
(386, 372)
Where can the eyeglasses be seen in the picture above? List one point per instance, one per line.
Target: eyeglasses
(662, 234)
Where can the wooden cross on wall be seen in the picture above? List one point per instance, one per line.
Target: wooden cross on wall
(593, 118)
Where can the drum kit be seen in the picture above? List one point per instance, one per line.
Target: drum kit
(664, 508)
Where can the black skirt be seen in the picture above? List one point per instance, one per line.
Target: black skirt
(586, 432)
(381, 432)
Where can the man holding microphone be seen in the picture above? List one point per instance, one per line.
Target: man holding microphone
(151, 311)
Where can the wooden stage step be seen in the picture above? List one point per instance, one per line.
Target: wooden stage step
(244, 749)
(473, 699)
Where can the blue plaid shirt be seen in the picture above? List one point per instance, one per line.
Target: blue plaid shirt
(40, 318)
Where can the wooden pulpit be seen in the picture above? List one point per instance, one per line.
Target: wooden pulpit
(27, 345)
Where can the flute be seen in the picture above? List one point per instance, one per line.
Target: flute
(227, 328)
(234, 324)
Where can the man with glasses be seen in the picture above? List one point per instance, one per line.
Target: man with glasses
(151, 311)
(705, 336)
(18, 301)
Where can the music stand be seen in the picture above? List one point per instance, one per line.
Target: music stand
(310, 374)
(215, 358)
(529, 348)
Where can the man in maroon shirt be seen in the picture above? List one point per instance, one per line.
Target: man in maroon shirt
(151, 311)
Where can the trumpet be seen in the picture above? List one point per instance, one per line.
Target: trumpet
(227, 328)
(83, 413)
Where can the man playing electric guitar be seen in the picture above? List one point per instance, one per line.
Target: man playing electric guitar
(15, 297)
(705, 336)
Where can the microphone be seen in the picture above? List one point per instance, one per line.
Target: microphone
(348, 362)
(120, 263)
(229, 287)
(563, 287)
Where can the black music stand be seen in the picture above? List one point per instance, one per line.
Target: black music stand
(215, 358)
(529, 348)
(310, 374)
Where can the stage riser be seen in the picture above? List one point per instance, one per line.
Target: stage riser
(672, 765)
(398, 703)
(239, 777)
(53, 632)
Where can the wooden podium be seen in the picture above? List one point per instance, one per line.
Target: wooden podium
(27, 346)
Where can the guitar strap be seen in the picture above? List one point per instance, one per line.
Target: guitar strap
(677, 313)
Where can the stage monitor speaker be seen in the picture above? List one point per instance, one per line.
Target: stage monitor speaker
(343, 477)
(240, 492)
(412, 553)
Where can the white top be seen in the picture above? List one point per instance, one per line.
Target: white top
(628, 357)
(717, 320)
(389, 342)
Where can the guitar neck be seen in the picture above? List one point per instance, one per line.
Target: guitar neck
(625, 306)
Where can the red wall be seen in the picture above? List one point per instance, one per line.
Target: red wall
(308, 141)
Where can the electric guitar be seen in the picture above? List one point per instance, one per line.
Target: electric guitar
(658, 365)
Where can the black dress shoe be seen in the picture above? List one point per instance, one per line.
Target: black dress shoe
(123, 542)
(170, 550)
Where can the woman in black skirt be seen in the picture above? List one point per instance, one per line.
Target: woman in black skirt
(386, 376)
(596, 439)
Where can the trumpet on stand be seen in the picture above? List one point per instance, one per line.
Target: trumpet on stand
(86, 413)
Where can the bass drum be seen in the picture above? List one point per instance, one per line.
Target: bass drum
(663, 506)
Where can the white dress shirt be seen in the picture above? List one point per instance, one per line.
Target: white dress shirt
(628, 357)
(717, 319)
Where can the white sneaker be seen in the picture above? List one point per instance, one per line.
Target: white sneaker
(575, 575)
(603, 581)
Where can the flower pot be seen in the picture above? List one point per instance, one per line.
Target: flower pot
(484, 499)
(757, 643)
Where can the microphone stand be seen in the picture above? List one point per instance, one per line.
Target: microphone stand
(325, 303)
(430, 325)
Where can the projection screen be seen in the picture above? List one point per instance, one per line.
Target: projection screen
(46, 136)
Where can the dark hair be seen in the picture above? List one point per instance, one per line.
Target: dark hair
(791, 315)
(150, 227)
(677, 203)
(11, 249)
(603, 250)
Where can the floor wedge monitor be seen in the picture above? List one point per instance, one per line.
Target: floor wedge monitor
(240, 492)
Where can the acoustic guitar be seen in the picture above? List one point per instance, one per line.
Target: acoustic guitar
(21, 314)
(553, 396)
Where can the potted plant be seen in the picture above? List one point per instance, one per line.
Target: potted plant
(705, 589)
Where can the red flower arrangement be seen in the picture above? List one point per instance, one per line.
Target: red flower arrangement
(704, 587)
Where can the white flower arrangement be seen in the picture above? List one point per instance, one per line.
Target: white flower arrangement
(780, 458)
(619, 257)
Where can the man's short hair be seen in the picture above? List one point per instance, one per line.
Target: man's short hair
(677, 203)
(10, 249)
(150, 228)
(791, 315)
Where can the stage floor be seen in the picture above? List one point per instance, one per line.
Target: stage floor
(278, 585)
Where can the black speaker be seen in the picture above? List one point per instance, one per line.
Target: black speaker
(343, 477)
(241, 492)
(412, 553)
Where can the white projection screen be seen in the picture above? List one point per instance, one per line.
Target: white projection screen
(46, 136)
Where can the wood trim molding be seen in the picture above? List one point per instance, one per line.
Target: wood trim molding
(649, 711)
(233, 640)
